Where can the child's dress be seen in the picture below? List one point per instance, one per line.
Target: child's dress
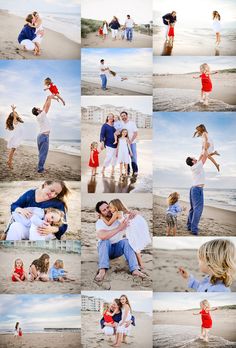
(14, 137)
(123, 151)
(16, 332)
(95, 158)
(107, 318)
(206, 83)
(122, 329)
(171, 31)
(206, 319)
(104, 29)
(53, 89)
(19, 271)
(216, 25)
(100, 31)
(211, 145)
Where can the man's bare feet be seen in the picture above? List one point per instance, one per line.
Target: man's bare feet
(137, 273)
(100, 275)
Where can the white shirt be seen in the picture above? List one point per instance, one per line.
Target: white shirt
(102, 66)
(100, 225)
(131, 128)
(129, 23)
(43, 122)
(198, 174)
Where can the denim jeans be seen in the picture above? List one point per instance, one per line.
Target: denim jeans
(129, 34)
(104, 81)
(196, 208)
(107, 251)
(43, 147)
(134, 159)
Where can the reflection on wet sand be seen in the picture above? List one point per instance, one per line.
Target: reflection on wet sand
(109, 184)
(167, 49)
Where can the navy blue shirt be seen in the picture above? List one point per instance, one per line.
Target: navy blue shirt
(28, 200)
(170, 17)
(27, 33)
(114, 25)
(107, 135)
(117, 318)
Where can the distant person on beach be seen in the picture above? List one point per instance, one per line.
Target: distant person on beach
(115, 26)
(168, 19)
(28, 37)
(206, 319)
(103, 73)
(172, 211)
(206, 82)
(216, 26)
(129, 27)
(123, 152)
(57, 272)
(39, 269)
(15, 134)
(16, 330)
(216, 258)
(94, 157)
(104, 30)
(19, 274)
(107, 140)
(49, 86)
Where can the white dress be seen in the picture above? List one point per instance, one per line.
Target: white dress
(14, 137)
(122, 329)
(123, 151)
(104, 29)
(216, 25)
(211, 147)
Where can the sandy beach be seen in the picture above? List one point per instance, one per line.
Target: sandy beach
(8, 256)
(10, 192)
(113, 184)
(93, 337)
(42, 340)
(58, 165)
(51, 45)
(214, 221)
(165, 269)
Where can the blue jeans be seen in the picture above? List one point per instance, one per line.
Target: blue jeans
(43, 147)
(129, 34)
(104, 81)
(196, 208)
(134, 159)
(107, 251)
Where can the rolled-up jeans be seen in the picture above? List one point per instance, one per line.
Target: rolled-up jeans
(134, 159)
(196, 208)
(43, 147)
(104, 81)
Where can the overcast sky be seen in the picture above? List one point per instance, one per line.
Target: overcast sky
(63, 6)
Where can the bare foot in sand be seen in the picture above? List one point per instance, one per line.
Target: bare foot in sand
(10, 166)
(137, 273)
(101, 275)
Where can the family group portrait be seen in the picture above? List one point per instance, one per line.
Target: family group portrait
(38, 30)
(194, 183)
(39, 321)
(116, 242)
(40, 121)
(124, 24)
(203, 28)
(116, 319)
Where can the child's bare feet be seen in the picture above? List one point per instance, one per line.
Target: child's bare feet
(218, 167)
(217, 153)
(9, 164)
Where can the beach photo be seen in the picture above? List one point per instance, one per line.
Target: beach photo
(117, 144)
(40, 29)
(194, 320)
(116, 242)
(40, 267)
(194, 84)
(116, 24)
(202, 28)
(40, 210)
(203, 264)
(117, 71)
(194, 175)
(40, 321)
(116, 319)
(40, 120)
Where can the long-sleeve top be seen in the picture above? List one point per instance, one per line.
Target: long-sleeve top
(206, 286)
(174, 209)
(55, 273)
(107, 135)
(170, 18)
(28, 200)
(114, 25)
(117, 318)
(27, 33)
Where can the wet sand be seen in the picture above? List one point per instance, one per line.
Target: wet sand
(52, 42)
(58, 165)
(214, 221)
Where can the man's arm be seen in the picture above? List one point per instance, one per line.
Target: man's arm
(134, 137)
(47, 104)
(107, 234)
(203, 157)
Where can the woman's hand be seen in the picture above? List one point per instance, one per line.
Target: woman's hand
(25, 212)
(45, 230)
(183, 273)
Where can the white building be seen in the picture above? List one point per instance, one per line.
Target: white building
(90, 303)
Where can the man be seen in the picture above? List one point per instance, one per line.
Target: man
(129, 25)
(107, 140)
(167, 20)
(111, 245)
(44, 131)
(196, 192)
(102, 71)
(132, 134)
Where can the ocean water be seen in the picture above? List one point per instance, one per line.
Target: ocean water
(71, 147)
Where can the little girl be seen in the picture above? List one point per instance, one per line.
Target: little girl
(123, 152)
(206, 82)
(53, 89)
(171, 33)
(216, 259)
(57, 272)
(118, 126)
(20, 332)
(216, 26)
(207, 144)
(94, 157)
(39, 268)
(16, 329)
(206, 319)
(126, 316)
(107, 314)
(18, 273)
(14, 138)
(137, 232)
(171, 213)
(104, 29)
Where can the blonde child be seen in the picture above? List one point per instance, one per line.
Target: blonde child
(206, 82)
(20, 333)
(216, 259)
(53, 89)
(207, 144)
(171, 33)
(122, 328)
(107, 313)
(57, 272)
(123, 152)
(39, 268)
(118, 126)
(18, 273)
(206, 319)
(171, 213)
(216, 26)
(94, 157)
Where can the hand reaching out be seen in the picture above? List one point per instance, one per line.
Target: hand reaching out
(183, 273)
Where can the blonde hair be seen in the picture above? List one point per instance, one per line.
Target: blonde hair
(22, 265)
(60, 213)
(205, 304)
(59, 263)
(219, 256)
(173, 198)
(93, 144)
(105, 306)
(118, 205)
(204, 68)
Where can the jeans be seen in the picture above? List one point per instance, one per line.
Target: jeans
(104, 81)
(129, 34)
(107, 251)
(134, 160)
(43, 147)
(196, 208)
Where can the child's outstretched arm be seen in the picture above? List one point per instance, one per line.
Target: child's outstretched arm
(115, 216)
(196, 313)
(213, 309)
(196, 77)
(213, 73)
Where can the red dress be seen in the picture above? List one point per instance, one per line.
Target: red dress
(171, 32)
(107, 318)
(100, 31)
(20, 333)
(95, 158)
(53, 89)
(20, 272)
(206, 83)
(206, 319)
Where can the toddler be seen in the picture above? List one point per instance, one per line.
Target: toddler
(118, 126)
(53, 89)
(57, 272)
(18, 274)
(206, 83)
(94, 157)
(206, 319)
(171, 213)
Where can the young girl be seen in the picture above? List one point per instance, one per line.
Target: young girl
(118, 126)
(94, 157)
(39, 268)
(206, 319)
(38, 23)
(14, 138)
(53, 89)
(171, 213)
(206, 82)
(137, 232)
(20, 332)
(171, 33)
(104, 29)
(126, 316)
(207, 144)
(16, 329)
(123, 152)
(216, 26)
(107, 314)
(216, 259)
(18, 273)
(57, 272)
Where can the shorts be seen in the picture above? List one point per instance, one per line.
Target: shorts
(171, 220)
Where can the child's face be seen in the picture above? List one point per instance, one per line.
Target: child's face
(124, 133)
(95, 145)
(112, 208)
(46, 261)
(19, 264)
(52, 217)
(123, 300)
(116, 118)
(203, 267)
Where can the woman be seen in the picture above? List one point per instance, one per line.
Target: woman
(28, 37)
(114, 25)
(107, 140)
(16, 331)
(104, 29)
(216, 26)
(52, 194)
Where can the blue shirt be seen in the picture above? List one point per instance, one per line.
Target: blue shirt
(107, 135)
(55, 273)
(114, 25)
(28, 200)
(206, 286)
(117, 318)
(27, 33)
(174, 209)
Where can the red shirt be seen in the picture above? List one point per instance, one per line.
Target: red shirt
(206, 319)
(107, 318)
(206, 83)
(53, 89)
(19, 271)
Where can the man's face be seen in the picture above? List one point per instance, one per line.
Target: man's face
(124, 117)
(194, 160)
(104, 210)
(39, 110)
(102, 62)
(174, 14)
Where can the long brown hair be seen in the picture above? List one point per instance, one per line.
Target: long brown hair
(62, 196)
(17, 324)
(216, 14)
(10, 119)
(117, 301)
(200, 130)
(127, 301)
(29, 18)
(119, 205)
(40, 263)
